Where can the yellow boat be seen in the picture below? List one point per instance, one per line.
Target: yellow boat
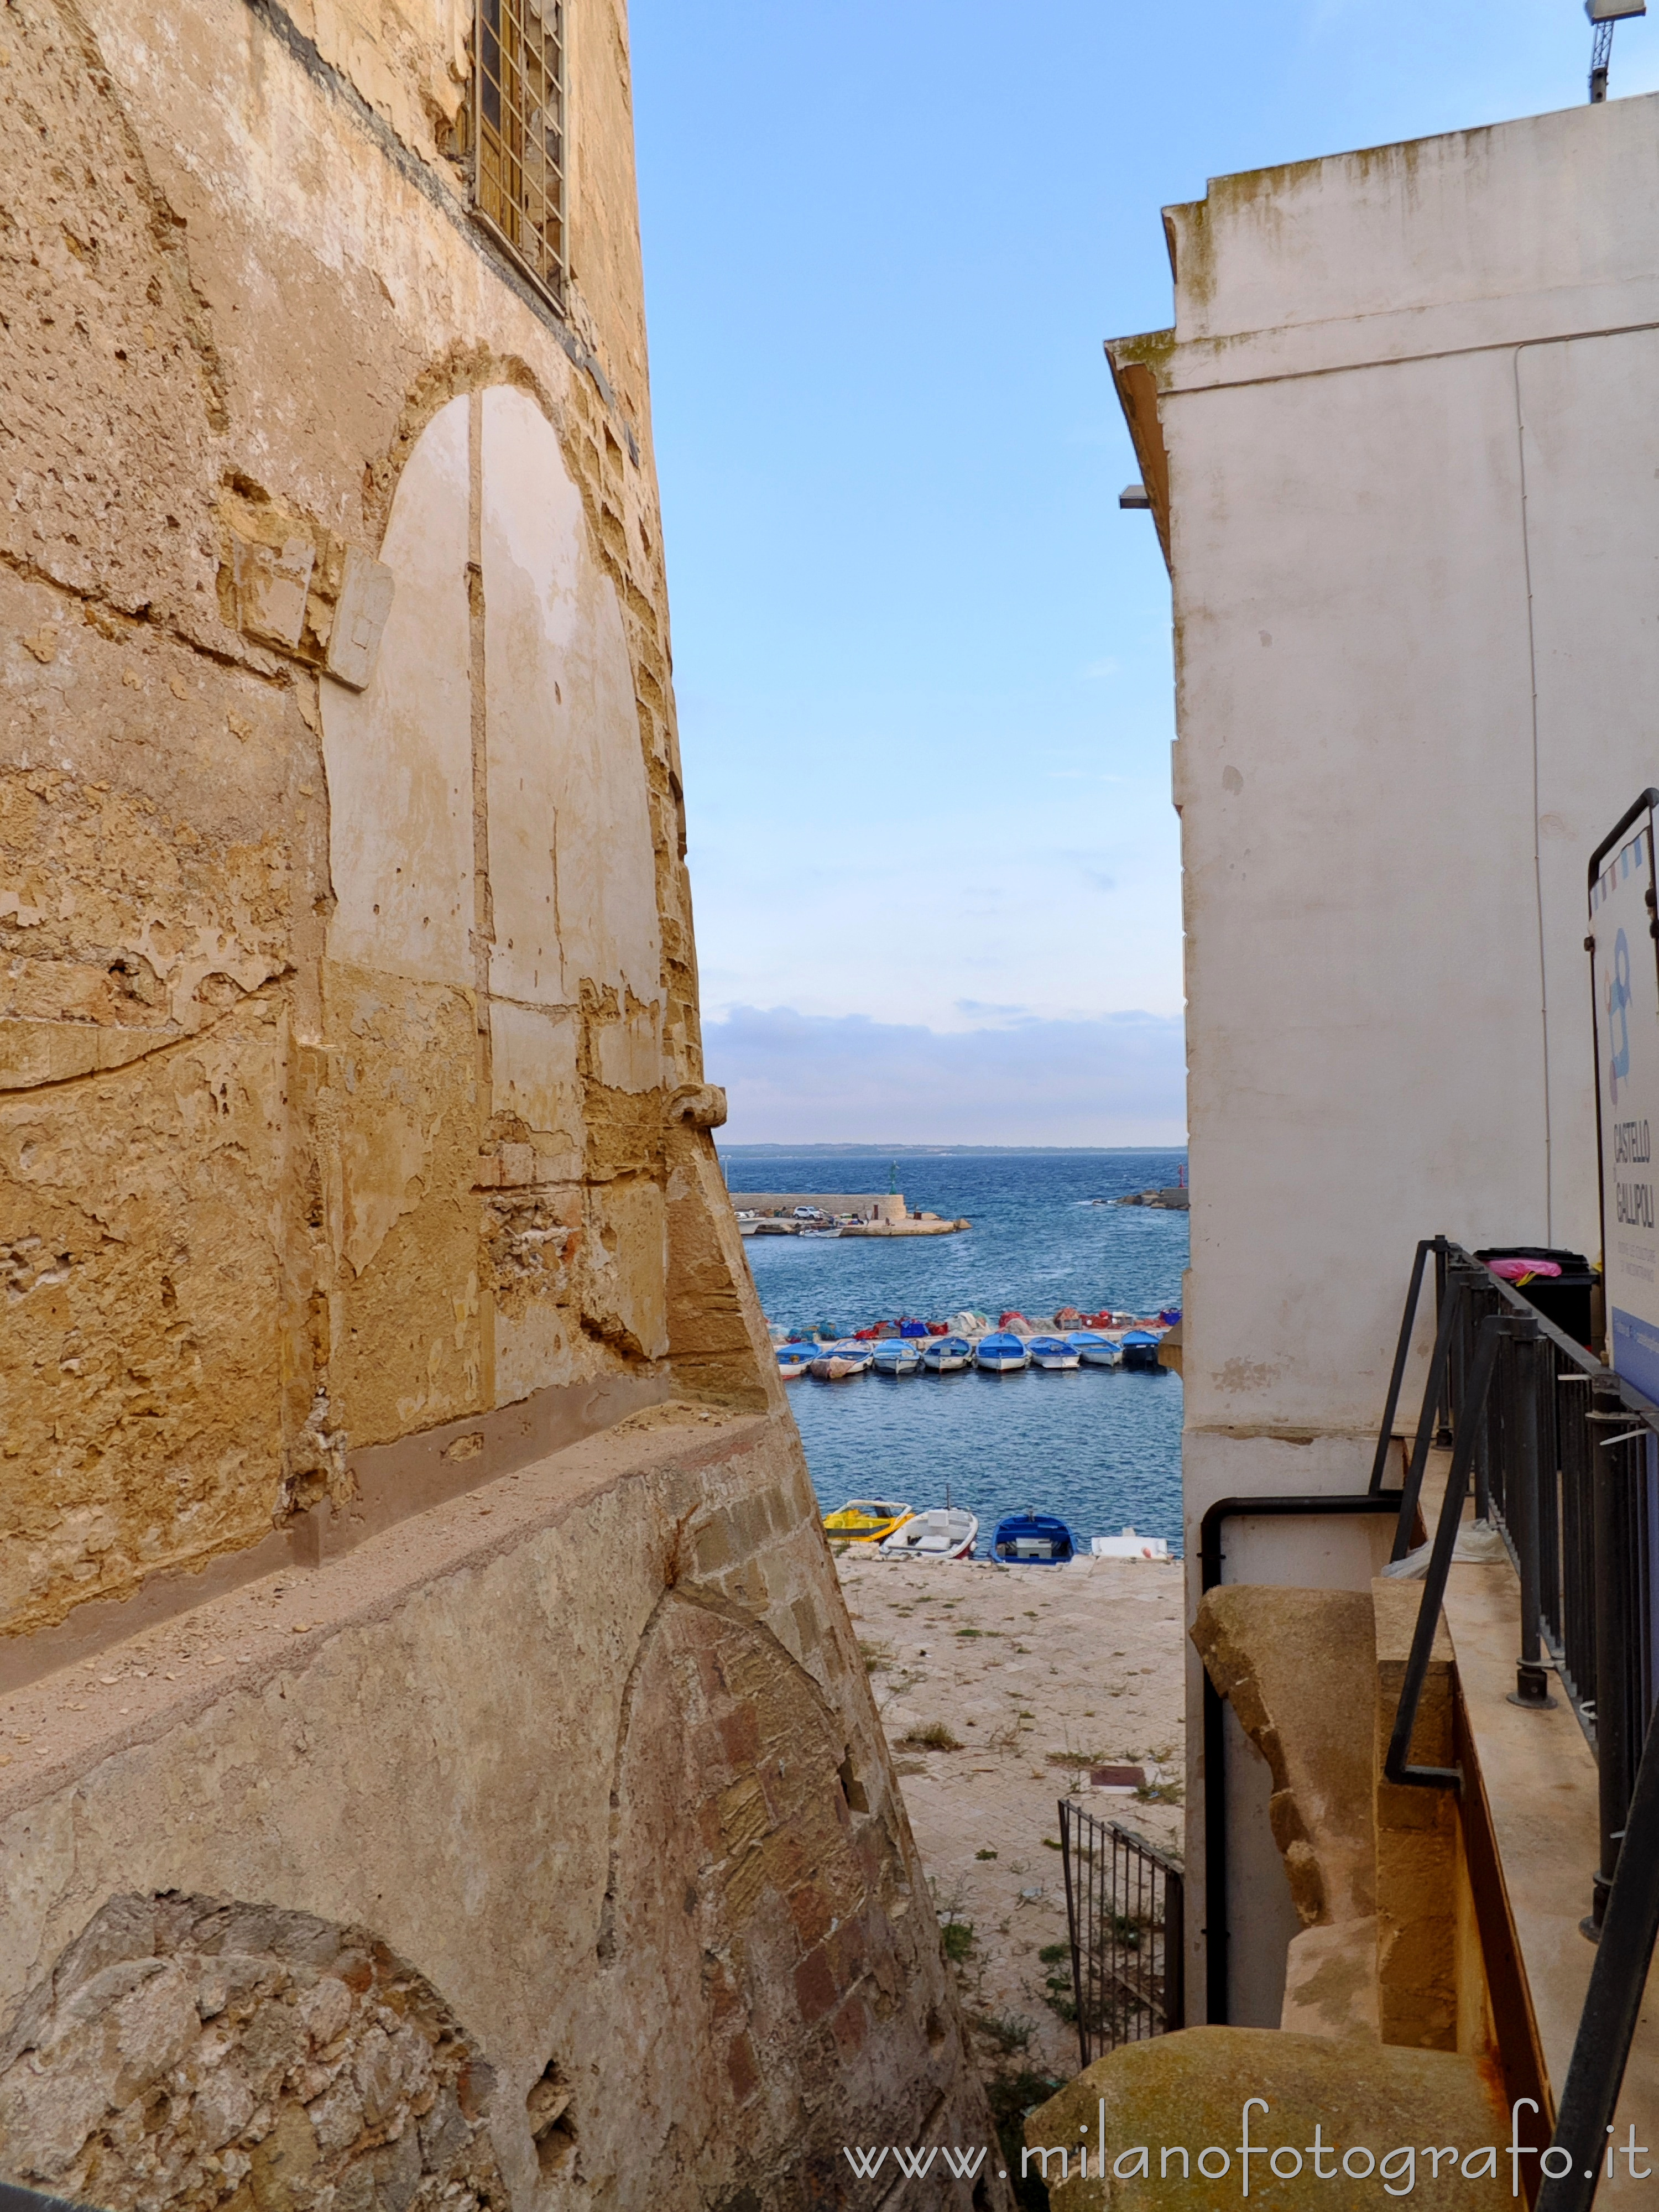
(865, 1521)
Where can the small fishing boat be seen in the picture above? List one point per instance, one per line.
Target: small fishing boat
(839, 1367)
(1139, 1347)
(1129, 1546)
(818, 1231)
(943, 1532)
(1033, 1540)
(1094, 1349)
(1054, 1352)
(865, 1520)
(1000, 1354)
(794, 1359)
(944, 1355)
(897, 1355)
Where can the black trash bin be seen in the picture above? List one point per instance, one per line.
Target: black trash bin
(1563, 1299)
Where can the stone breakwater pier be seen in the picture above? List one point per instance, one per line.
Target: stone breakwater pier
(849, 1213)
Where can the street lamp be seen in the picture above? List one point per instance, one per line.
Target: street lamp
(1603, 15)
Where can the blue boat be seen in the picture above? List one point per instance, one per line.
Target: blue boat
(1054, 1352)
(944, 1355)
(1094, 1349)
(1001, 1354)
(897, 1355)
(1139, 1349)
(1036, 1539)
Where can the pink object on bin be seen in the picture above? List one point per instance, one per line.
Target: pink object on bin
(1523, 1271)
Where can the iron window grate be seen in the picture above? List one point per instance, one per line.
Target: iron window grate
(519, 133)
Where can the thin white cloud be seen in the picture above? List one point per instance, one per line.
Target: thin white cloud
(813, 1079)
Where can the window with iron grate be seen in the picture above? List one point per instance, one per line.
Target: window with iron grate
(519, 133)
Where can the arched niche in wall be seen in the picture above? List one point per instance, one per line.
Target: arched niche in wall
(185, 2052)
(754, 1943)
(495, 949)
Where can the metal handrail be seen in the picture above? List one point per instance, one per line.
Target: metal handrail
(1578, 1511)
(1396, 1766)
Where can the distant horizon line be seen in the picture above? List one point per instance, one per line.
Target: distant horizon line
(771, 1146)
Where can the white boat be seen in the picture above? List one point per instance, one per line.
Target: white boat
(1000, 1354)
(944, 1355)
(1054, 1352)
(897, 1355)
(820, 1232)
(1094, 1349)
(943, 1532)
(1128, 1545)
(794, 1359)
(839, 1363)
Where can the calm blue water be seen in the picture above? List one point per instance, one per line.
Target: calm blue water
(1100, 1447)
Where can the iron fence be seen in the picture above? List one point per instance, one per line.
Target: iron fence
(1125, 1918)
(1563, 1457)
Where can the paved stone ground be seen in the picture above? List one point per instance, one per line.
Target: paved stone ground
(1031, 1669)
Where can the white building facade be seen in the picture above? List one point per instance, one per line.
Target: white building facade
(1403, 453)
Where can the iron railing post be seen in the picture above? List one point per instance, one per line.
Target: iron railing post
(1611, 1634)
(1402, 1348)
(1434, 1390)
(1491, 1416)
(1612, 2003)
(1068, 1843)
(1443, 1435)
(1521, 1508)
(1471, 1423)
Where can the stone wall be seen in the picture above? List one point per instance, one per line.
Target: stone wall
(349, 1012)
(435, 1763)
(589, 1753)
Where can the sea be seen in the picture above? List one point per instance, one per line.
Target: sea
(1100, 1446)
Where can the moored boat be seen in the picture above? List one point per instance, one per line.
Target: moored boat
(794, 1359)
(1094, 1349)
(1139, 1347)
(1038, 1539)
(1052, 1352)
(942, 1532)
(838, 1367)
(945, 1355)
(1129, 1546)
(1001, 1354)
(897, 1355)
(865, 1520)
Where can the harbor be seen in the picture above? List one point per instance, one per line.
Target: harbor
(835, 1214)
(1096, 1445)
(1065, 1341)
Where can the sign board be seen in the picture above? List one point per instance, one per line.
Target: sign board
(1624, 899)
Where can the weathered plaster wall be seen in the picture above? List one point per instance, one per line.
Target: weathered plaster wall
(393, 987)
(537, 1843)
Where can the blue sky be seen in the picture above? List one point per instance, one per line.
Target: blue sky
(922, 659)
